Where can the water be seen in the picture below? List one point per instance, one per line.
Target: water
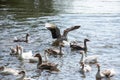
(99, 20)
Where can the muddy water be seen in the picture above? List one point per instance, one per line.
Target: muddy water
(99, 20)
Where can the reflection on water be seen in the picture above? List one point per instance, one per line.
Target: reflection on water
(99, 20)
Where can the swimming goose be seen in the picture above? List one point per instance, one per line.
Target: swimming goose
(51, 51)
(24, 55)
(22, 40)
(89, 59)
(46, 66)
(8, 71)
(23, 74)
(15, 51)
(99, 74)
(74, 46)
(85, 68)
(55, 31)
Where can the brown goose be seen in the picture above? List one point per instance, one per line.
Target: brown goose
(46, 66)
(55, 52)
(55, 31)
(78, 47)
(22, 40)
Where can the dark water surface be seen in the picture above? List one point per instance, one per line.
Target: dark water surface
(99, 20)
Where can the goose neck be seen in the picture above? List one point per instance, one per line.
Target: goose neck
(39, 60)
(82, 58)
(85, 45)
(27, 39)
(46, 57)
(60, 49)
(23, 76)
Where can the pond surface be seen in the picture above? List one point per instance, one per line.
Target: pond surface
(99, 20)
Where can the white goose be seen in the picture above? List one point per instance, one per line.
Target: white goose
(85, 68)
(25, 55)
(88, 59)
(99, 74)
(8, 71)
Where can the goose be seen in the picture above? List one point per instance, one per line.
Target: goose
(22, 40)
(24, 55)
(8, 71)
(45, 66)
(74, 46)
(55, 31)
(89, 59)
(99, 74)
(15, 51)
(51, 51)
(85, 68)
(23, 74)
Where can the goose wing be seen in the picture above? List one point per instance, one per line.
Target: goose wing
(70, 29)
(55, 31)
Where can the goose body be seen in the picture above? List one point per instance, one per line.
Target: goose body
(46, 65)
(51, 51)
(55, 31)
(22, 40)
(75, 46)
(8, 71)
(25, 55)
(109, 72)
(89, 59)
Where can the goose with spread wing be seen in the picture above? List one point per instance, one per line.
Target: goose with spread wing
(55, 31)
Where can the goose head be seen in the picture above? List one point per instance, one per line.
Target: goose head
(27, 35)
(81, 52)
(86, 40)
(98, 65)
(37, 55)
(2, 68)
(21, 72)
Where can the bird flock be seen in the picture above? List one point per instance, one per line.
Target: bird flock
(45, 65)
